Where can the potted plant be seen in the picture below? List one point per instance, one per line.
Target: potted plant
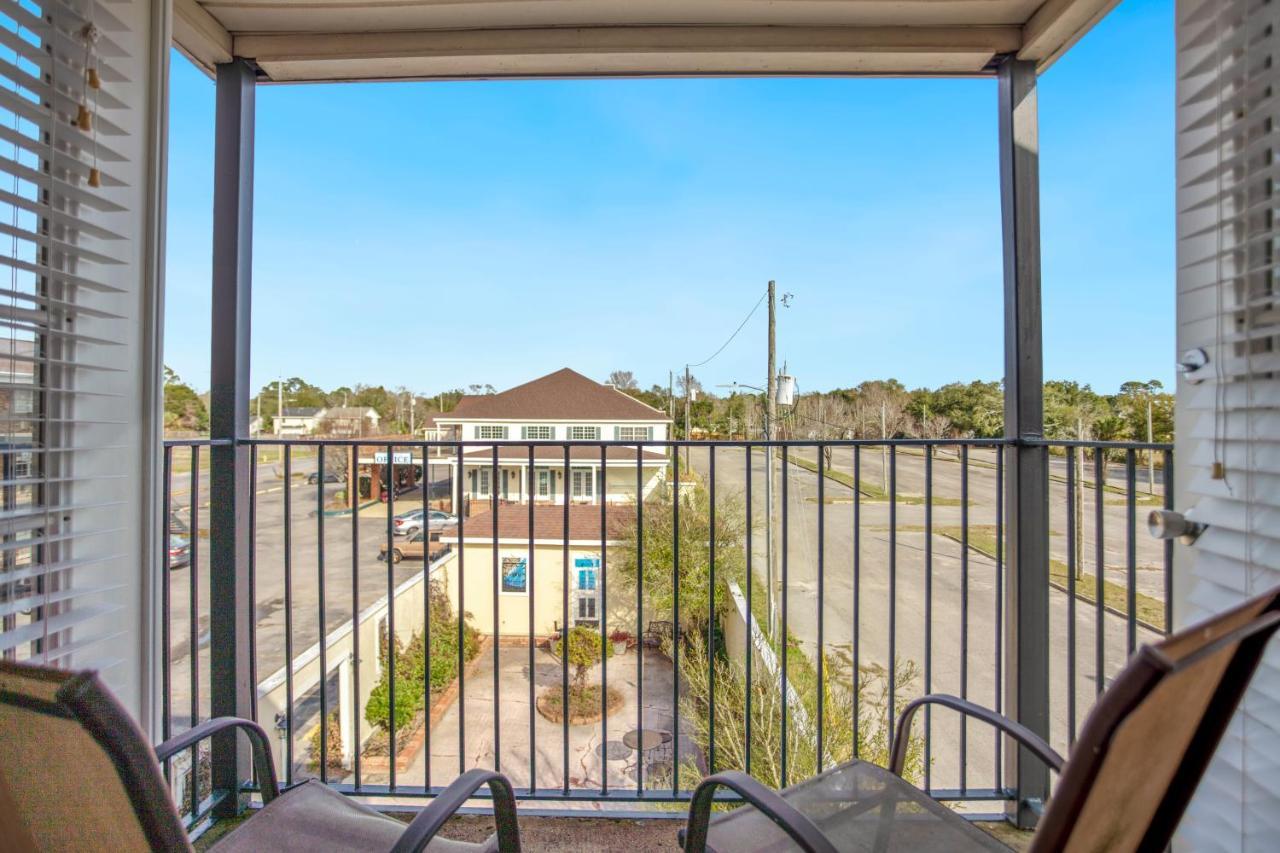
(621, 641)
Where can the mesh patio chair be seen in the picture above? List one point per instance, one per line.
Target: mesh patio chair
(1131, 773)
(76, 773)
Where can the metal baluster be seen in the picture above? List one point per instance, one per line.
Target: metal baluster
(675, 629)
(529, 588)
(602, 495)
(460, 510)
(711, 618)
(751, 582)
(893, 584)
(286, 451)
(324, 667)
(928, 611)
(786, 634)
(1131, 552)
(1167, 482)
(1071, 595)
(426, 617)
(253, 584)
(857, 585)
(564, 628)
(1100, 569)
(639, 610)
(999, 626)
(391, 610)
(497, 581)
(193, 624)
(964, 612)
(166, 612)
(822, 648)
(353, 495)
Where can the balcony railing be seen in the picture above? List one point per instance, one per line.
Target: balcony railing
(886, 556)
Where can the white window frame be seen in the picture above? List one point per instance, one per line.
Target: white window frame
(491, 432)
(538, 432)
(584, 433)
(482, 483)
(633, 433)
(544, 483)
(580, 594)
(586, 477)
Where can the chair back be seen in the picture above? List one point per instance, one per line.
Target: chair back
(1145, 746)
(76, 772)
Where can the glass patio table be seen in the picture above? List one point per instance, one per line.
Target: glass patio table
(858, 807)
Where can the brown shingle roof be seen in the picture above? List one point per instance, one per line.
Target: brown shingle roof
(548, 523)
(565, 394)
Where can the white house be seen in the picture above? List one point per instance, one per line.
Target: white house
(562, 406)
(348, 420)
(297, 421)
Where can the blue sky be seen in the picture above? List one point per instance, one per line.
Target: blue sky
(434, 235)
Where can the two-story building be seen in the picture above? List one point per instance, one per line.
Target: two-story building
(562, 406)
(294, 422)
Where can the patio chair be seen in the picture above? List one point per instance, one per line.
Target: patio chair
(1131, 773)
(76, 773)
(657, 633)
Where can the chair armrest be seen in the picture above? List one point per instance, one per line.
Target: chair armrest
(418, 834)
(262, 761)
(803, 831)
(1015, 730)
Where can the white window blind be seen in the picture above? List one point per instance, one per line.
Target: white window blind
(1228, 429)
(63, 178)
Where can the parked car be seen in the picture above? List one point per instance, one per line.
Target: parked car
(408, 523)
(329, 477)
(413, 548)
(179, 552)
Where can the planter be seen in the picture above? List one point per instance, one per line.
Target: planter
(620, 647)
(582, 712)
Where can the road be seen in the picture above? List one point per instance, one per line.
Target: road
(965, 641)
(369, 579)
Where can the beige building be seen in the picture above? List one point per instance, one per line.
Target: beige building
(539, 581)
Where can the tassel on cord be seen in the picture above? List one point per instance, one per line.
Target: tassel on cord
(95, 177)
(91, 77)
(84, 118)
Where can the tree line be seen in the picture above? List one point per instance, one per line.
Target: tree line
(877, 408)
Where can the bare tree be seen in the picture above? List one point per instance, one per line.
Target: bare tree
(623, 380)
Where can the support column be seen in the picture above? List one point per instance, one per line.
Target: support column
(231, 611)
(1027, 466)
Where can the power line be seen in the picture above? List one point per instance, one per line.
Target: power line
(750, 314)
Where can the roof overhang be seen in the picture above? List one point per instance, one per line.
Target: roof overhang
(336, 40)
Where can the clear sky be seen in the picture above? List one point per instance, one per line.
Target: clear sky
(434, 235)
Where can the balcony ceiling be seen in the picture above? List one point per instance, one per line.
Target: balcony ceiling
(310, 40)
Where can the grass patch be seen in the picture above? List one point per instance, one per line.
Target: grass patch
(982, 538)
(870, 490)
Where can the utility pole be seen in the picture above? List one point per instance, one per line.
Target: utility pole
(771, 433)
(279, 404)
(412, 421)
(671, 394)
(1151, 455)
(884, 448)
(688, 395)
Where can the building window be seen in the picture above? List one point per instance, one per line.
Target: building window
(586, 575)
(544, 484)
(515, 579)
(482, 483)
(633, 433)
(538, 433)
(489, 431)
(584, 433)
(582, 482)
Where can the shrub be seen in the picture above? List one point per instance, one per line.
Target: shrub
(414, 666)
(584, 652)
(334, 752)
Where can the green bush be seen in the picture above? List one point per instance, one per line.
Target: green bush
(414, 666)
(585, 649)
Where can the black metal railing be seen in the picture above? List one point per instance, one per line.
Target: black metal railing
(817, 601)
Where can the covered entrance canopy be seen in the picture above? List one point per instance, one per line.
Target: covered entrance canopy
(299, 40)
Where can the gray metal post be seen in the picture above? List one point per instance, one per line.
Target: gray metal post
(230, 609)
(1027, 477)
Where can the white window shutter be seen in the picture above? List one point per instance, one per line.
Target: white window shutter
(77, 309)
(1228, 431)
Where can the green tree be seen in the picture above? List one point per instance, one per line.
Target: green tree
(183, 408)
(585, 650)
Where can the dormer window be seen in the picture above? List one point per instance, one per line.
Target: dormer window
(538, 433)
(633, 433)
(584, 433)
(489, 431)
